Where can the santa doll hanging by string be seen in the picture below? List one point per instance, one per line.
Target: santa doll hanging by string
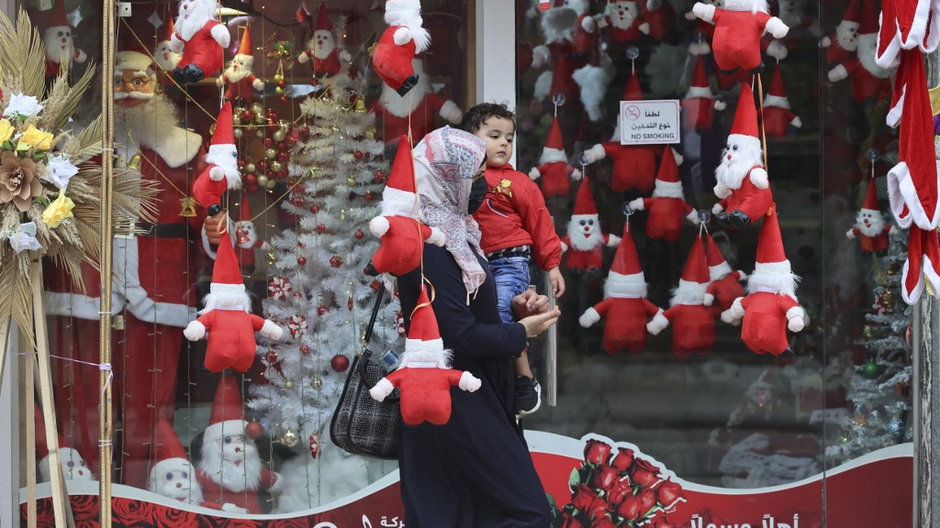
(58, 40)
(624, 308)
(163, 54)
(739, 25)
(725, 284)
(247, 240)
(419, 111)
(869, 79)
(667, 207)
(424, 376)
(325, 57)
(693, 322)
(402, 40)
(401, 235)
(230, 471)
(625, 21)
(770, 307)
(743, 187)
(553, 168)
(172, 474)
(560, 52)
(778, 117)
(226, 321)
(584, 244)
(238, 75)
(841, 44)
(870, 228)
(221, 173)
(201, 39)
(699, 104)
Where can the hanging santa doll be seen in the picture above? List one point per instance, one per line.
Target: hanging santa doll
(770, 307)
(625, 20)
(842, 43)
(163, 54)
(172, 475)
(725, 285)
(553, 166)
(869, 80)
(401, 234)
(870, 228)
(401, 41)
(321, 50)
(58, 40)
(221, 172)
(560, 52)
(699, 103)
(777, 114)
(226, 320)
(667, 206)
(238, 74)
(73, 465)
(201, 39)
(424, 376)
(230, 471)
(624, 308)
(743, 187)
(421, 109)
(739, 26)
(247, 240)
(583, 245)
(693, 322)
(660, 16)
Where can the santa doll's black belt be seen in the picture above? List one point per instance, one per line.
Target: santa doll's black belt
(517, 251)
(147, 229)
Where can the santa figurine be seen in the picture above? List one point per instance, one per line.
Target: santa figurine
(778, 117)
(625, 20)
(226, 320)
(58, 40)
(70, 460)
(584, 243)
(201, 39)
(624, 307)
(163, 55)
(421, 110)
(869, 80)
(560, 52)
(660, 16)
(172, 475)
(230, 471)
(699, 103)
(553, 168)
(238, 75)
(424, 376)
(321, 50)
(401, 234)
(739, 26)
(743, 187)
(870, 228)
(401, 41)
(247, 240)
(843, 42)
(221, 173)
(725, 285)
(770, 307)
(667, 207)
(693, 322)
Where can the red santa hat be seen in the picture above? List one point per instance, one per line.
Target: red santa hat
(744, 129)
(869, 22)
(169, 453)
(625, 279)
(777, 89)
(56, 16)
(554, 139)
(226, 275)
(224, 133)
(399, 196)
(244, 45)
(853, 12)
(584, 201)
(168, 27)
(632, 90)
(227, 416)
(424, 343)
(667, 184)
(696, 267)
(323, 19)
(700, 86)
(771, 257)
(871, 198)
(717, 265)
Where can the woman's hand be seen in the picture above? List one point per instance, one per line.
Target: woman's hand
(536, 324)
(529, 303)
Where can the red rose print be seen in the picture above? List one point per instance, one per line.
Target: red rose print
(647, 500)
(668, 493)
(659, 522)
(596, 452)
(604, 522)
(44, 513)
(85, 507)
(167, 517)
(582, 497)
(296, 522)
(619, 492)
(86, 524)
(604, 478)
(598, 508)
(678, 515)
(239, 523)
(622, 460)
(130, 512)
(630, 509)
(644, 473)
(569, 521)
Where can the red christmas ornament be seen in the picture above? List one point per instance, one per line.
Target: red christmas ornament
(251, 187)
(246, 117)
(321, 228)
(262, 165)
(282, 145)
(359, 234)
(369, 196)
(304, 349)
(271, 357)
(339, 363)
(349, 304)
(283, 156)
(314, 443)
(282, 83)
(375, 285)
(282, 174)
(314, 209)
(378, 177)
(297, 294)
(254, 430)
(321, 310)
(358, 154)
(284, 99)
(301, 261)
(241, 164)
(251, 179)
(268, 142)
(336, 261)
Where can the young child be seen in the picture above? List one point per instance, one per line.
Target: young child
(516, 226)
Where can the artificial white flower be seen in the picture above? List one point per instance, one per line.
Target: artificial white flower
(25, 238)
(60, 171)
(22, 105)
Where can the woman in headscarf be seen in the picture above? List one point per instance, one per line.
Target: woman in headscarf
(476, 470)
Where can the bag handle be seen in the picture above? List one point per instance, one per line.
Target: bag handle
(375, 314)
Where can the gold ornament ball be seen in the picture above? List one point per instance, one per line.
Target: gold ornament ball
(262, 180)
(250, 168)
(238, 133)
(316, 383)
(259, 132)
(271, 184)
(279, 135)
(272, 257)
(270, 153)
(260, 119)
(866, 332)
(276, 166)
(284, 125)
(278, 90)
(351, 181)
(256, 108)
(289, 437)
(278, 76)
(887, 298)
(289, 384)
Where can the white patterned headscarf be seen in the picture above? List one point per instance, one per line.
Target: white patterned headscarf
(445, 162)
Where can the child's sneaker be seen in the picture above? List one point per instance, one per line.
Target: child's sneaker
(528, 397)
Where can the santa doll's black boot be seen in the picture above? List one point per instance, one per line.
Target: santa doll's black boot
(738, 219)
(408, 84)
(758, 69)
(190, 74)
(370, 269)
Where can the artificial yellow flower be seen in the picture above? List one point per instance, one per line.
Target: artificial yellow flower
(6, 130)
(56, 212)
(33, 137)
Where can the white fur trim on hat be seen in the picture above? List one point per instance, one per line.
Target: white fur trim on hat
(625, 286)
(226, 289)
(133, 60)
(776, 101)
(699, 92)
(664, 189)
(902, 191)
(217, 431)
(718, 271)
(420, 351)
(551, 155)
(688, 292)
(399, 202)
(772, 267)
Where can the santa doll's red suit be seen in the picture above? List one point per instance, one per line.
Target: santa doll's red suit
(738, 30)
(693, 323)
(238, 77)
(725, 285)
(218, 176)
(424, 378)
(624, 308)
(770, 308)
(202, 40)
(583, 245)
(321, 50)
(401, 234)
(398, 45)
(777, 114)
(164, 57)
(553, 169)
(58, 39)
(870, 227)
(153, 305)
(667, 207)
(699, 103)
(226, 321)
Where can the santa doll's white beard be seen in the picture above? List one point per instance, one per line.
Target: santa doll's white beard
(235, 302)
(226, 162)
(147, 125)
(624, 21)
(324, 51)
(228, 474)
(558, 24)
(401, 14)
(244, 68)
(782, 283)
(691, 293)
(199, 12)
(746, 5)
(166, 59)
(54, 50)
(576, 234)
(400, 106)
(731, 175)
(866, 55)
(845, 36)
(876, 227)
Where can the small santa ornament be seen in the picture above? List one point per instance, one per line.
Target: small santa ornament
(770, 307)
(321, 50)
(226, 318)
(842, 43)
(743, 187)
(424, 377)
(173, 476)
(692, 320)
(247, 240)
(624, 307)
(58, 40)
(667, 207)
(420, 111)
(238, 75)
(201, 39)
(230, 470)
(583, 245)
(869, 80)
(560, 51)
(401, 234)
(163, 54)
(221, 172)
(870, 228)
(625, 20)
(553, 166)
(777, 114)
(699, 103)
(70, 460)
(401, 41)
(739, 26)
(725, 285)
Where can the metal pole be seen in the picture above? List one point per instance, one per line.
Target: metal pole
(551, 352)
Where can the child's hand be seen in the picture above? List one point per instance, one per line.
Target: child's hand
(557, 281)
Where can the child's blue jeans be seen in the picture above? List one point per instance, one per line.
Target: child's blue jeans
(512, 278)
